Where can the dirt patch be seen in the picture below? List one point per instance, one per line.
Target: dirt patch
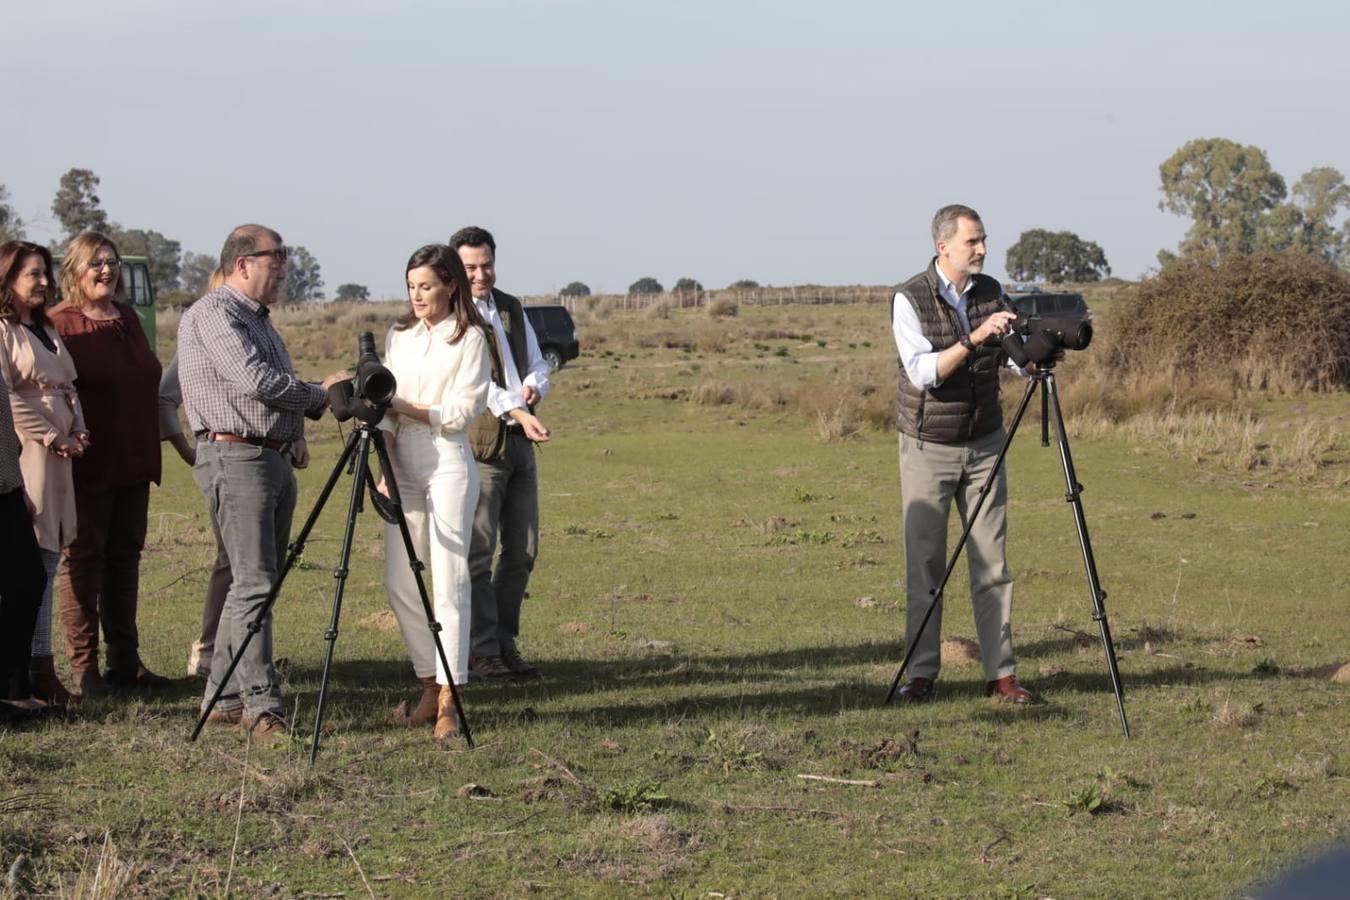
(574, 627)
(961, 652)
(384, 620)
(882, 754)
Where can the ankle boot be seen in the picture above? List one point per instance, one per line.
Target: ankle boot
(46, 685)
(427, 705)
(447, 715)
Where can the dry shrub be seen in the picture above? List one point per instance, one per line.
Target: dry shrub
(712, 340)
(1267, 322)
(659, 310)
(723, 307)
(713, 393)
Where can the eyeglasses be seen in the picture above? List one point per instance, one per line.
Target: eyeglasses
(97, 265)
(279, 254)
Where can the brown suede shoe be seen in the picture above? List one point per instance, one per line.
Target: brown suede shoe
(1008, 690)
(518, 666)
(487, 667)
(917, 690)
(425, 713)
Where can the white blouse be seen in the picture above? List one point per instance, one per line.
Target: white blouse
(451, 379)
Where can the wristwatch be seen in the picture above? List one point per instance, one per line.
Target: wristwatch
(966, 342)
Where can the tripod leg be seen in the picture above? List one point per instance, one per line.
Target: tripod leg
(971, 515)
(417, 566)
(297, 548)
(1075, 491)
(360, 474)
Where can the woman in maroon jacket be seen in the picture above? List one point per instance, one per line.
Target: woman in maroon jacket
(118, 385)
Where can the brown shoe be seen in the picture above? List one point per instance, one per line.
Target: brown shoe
(231, 716)
(1008, 690)
(266, 729)
(917, 690)
(89, 682)
(426, 711)
(139, 677)
(46, 685)
(447, 715)
(518, 666)
(487, 667)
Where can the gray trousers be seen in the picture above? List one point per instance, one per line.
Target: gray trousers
(931, 477)
(251, 494)
(508, 506)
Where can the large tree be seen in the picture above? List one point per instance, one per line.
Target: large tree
(1056, 256)
(1323, 197)
(687, 286)
(162, 253)
(575, 289)
(196, 271)
(647, 285)
(11, 226)
(351, 291)
(76, 204)
(303, 278)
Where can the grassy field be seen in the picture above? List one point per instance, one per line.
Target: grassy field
(718, 610)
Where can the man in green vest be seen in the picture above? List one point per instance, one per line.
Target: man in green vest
(947, 321)
(503, 439)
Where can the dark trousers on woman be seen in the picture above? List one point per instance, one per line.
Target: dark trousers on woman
(21, 589)
(99, 578)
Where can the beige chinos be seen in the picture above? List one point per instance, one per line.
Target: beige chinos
(932, 476)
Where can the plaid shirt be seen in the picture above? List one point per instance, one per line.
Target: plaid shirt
(235, 372)
(11, 476)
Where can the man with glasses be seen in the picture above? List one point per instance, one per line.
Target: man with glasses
(246, 406)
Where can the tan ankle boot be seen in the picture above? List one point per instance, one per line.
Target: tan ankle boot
(447, 715)
(46, 685)
(425, 713)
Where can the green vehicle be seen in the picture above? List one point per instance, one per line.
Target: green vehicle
(140, 293)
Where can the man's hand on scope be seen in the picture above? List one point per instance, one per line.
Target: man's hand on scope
(996, 326)
(335, 378)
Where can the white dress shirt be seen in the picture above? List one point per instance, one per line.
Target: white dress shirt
(451, 379)
(502, 400)
(916, 352)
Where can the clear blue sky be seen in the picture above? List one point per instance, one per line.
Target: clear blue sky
(782, 141)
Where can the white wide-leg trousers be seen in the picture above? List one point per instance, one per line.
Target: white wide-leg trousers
(438, 483)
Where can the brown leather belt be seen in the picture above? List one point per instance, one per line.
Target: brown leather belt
(266, 443)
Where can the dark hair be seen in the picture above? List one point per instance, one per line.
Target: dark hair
(241, 242)
(473, 236)
(12, 255)
(947, 218)
(444, 261)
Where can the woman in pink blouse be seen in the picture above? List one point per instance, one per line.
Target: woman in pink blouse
(49, 423)
(98, 580)
(438, 352)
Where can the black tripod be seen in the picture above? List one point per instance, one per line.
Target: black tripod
(363, 435)
(1045, 375)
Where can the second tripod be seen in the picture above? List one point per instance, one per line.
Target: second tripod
(1044, 376)
(357, 451)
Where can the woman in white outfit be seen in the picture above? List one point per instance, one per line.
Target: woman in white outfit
(438, 352)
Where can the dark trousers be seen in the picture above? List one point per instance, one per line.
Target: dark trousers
(21, 588)
(99, 578)
(508, 506)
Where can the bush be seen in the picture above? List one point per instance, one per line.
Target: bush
(575, 289)
(687, 286)
(723, 306)
(1271, 321)
(646, 285)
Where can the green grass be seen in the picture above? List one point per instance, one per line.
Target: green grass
(705, 646)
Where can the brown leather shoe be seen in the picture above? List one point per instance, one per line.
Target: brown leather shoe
(266, 729)
(1008, 690)
(90, 683)
(487, 667)
(220, 716)
(518, 666)
(46, 684)
(917, 690)
(139, 677)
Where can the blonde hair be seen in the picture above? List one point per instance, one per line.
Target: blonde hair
(81, 249)
(216, 280)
